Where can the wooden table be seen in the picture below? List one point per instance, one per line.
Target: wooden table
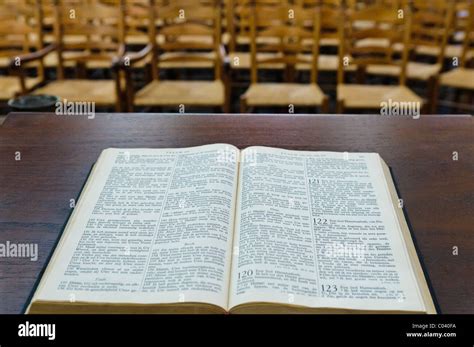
(57, 153)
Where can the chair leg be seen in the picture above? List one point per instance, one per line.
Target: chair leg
(81, 70)
(360, 75)
(149, 73)
(340, 107)
(325, 105)
(471, 99)
(129, 102)
(227, 91)
(433, 94)
(243, 105)
(425, 109)
(128, 99)
(226, 106)
(457, 99)
(464, 101)
(119, 95)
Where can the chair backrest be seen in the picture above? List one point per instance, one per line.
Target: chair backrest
(19, 29)
(392, 3)
(335, 4)
(187, 26)
(461, 16)
(289, 26)
(98, 26)
(431, 23)
(238, 18)
(330, 18)
(459, 22)
(47, 7)
(332, 12)
(136, 19)
(375, 45)
(360, 4)
(468, 44)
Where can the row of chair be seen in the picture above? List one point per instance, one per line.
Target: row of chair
(350, 38)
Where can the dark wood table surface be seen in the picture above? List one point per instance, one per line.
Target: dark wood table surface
(57, 153)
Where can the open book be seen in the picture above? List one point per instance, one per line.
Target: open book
(215, 229)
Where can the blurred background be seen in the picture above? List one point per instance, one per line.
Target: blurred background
(232, 56)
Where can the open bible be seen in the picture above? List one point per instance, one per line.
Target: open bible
(214, 229)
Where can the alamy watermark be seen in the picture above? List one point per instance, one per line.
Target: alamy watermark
(19, 250)
(230, 155)
(75, 108)
(344, 250)
(400, 108)
(28, 329)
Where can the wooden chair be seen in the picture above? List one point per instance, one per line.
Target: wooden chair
(461, 21)
(208, 61)
(136, 29)
(105, 42)
(238, 60)
(49, 37)
(372, 23)
(175, 42)
(390, 29)
(431, 21)
(331, 10)
(238, 22)
(19, 35)
(462, 77)
(288, 49)
(136, 22)
(137, 33)
(456, 34)
(330, 6)
(51, 60)
(356, 5)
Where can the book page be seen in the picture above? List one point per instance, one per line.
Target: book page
(318, 229)
(151, 226)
